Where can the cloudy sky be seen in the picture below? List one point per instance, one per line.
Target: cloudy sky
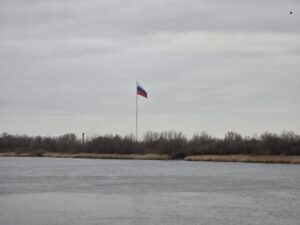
(208, 65)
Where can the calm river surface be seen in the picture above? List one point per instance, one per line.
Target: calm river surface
(49, 191)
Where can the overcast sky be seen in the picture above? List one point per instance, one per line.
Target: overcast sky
(207, 65)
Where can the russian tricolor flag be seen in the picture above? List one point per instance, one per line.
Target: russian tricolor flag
(140, 90)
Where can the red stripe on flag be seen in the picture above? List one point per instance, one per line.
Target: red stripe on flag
(142, 93)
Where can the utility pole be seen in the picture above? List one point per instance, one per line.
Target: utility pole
(82, 138)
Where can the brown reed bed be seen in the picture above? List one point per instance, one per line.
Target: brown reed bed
(87, 155)
(108, 156)
(246, 158)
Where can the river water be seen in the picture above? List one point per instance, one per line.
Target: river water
(49, 191)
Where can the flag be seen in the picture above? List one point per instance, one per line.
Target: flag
(140, 90)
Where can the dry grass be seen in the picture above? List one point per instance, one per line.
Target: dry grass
(245, 158)
(14, 154)
(89, 155)
(108, 156)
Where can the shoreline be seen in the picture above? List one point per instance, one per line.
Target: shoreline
(246, 158)
(88, 155)
(213, 158)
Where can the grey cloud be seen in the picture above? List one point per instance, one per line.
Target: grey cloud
(39, 19)
(211, 65)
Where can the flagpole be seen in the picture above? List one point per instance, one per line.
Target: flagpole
(136, 113)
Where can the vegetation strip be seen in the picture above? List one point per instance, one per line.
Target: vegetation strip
(246, 158)
(88, 155)
(215, 158)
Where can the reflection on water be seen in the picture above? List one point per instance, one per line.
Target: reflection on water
(84, 191)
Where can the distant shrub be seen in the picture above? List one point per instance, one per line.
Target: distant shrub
(38, 153)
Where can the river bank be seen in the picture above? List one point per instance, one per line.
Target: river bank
(246, 158)
(87, 155)
(216, 158)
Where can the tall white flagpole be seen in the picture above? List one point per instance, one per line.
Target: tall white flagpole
(136, 113)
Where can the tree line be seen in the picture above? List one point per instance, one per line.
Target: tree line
(172, 143)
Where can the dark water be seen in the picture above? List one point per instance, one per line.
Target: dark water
(48, 191)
